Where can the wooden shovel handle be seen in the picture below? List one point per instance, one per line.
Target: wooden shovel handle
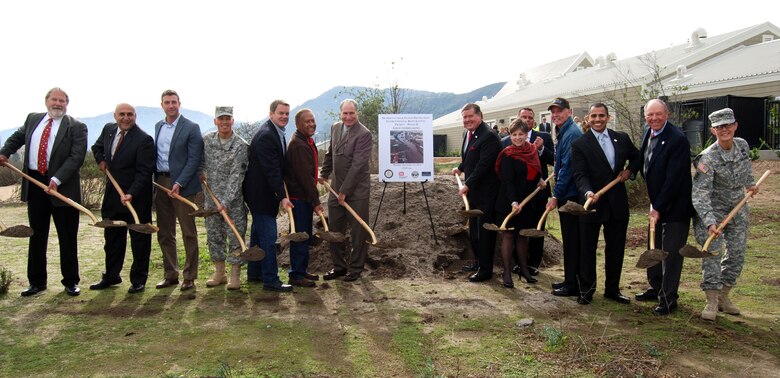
(652, 233)
(603, 190)
(54, 193)
(119, 190)
(541, 221)
(354, 214)
(734, 212)
(225, 216)
(465, 200)
(324, 222)
(177, 196)
(289, 210)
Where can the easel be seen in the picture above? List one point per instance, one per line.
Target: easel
(425, 195)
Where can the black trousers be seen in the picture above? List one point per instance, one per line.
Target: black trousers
(40, 211)
(536, 245)
(615, 240)
(116, 245)
(664, 278)
(570, 233)
(482, 241)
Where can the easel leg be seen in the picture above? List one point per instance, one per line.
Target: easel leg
(425, 195)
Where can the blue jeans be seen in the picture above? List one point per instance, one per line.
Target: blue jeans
(299, 251)
(264, 235)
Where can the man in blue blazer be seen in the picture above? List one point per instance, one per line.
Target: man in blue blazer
(264, 190)
(57, 165)
(179, 145)
(666, 167)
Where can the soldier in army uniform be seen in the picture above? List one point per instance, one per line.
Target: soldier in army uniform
(224, 166)
(723, 172)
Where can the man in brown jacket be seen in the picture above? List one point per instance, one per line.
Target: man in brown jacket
(301, 179)
(347, 160)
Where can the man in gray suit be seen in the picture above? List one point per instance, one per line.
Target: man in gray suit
(179, 146)
(347, 160)
(55, 148)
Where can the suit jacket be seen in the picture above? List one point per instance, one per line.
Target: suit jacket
(301, 169)
(67, 154)
(263, 184)
(478, 166)
(545, 127)
(132, 166)
(547, 157)
(185, 155)
(669, 174)
(592, 172)
(347, 160)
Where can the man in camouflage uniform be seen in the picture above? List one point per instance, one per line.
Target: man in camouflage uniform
(723, 172)
(224, 166)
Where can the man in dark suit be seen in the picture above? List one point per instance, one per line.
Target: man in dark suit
(546, 149)
(127, 152)
(263, 191)
(544, 126)
(179, 145)
(666, 166)
(478, 159)
(55, 148)
(597, 158)
(347, 164)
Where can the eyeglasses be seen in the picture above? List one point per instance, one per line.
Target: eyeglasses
(726, 126)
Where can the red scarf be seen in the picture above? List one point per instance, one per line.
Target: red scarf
(527, 154)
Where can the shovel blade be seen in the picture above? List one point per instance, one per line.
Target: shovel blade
(17, 232)
(650, 258)
(204, 213)
(471, 213)
(108, 223)
(252, 254)
(298, 237)
(143, 228)
(533, 233)
(333, 237)
(574, 208)
(694, 252)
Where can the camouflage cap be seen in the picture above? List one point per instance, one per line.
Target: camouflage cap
(724, 116)
(223, 110)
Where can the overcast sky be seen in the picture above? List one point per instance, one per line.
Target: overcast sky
(248, 53)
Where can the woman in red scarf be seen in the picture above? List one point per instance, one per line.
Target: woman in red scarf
(519, 170)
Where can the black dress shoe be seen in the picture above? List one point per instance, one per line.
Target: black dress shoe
(278, 287)
(351, 276)
(533, 271)
(584, 299)
(647, 295)
(565, 292)
(665, 308)
(470, 268)
(311, 277)
(166, 283)
(528, 278)
(558, 285)
(103, 284)
(136, 288)
(480, 276)
(517, 270)
(73, 291)
(32, 290)
(617, 297)
(333, 274)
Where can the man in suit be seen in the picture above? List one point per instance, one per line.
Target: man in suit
(347, 164)
(179, 145)
(127, 152)
(478, 159)
(263, 191)
(666, 166)
(544, 126)
(597, 158)
(55, 148)
(546, 150)
(566, 190)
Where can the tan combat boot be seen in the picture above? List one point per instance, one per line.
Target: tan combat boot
(234, 283)
(724, 303)
(711, 311)
(219, 277)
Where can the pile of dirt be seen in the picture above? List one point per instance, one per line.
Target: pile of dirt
(414, 253)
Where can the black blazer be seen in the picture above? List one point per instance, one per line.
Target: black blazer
(546, 158)
(592, 172)
(478, 166)
(669, 174)
(132, 167)
(67, 154)
(263, 184)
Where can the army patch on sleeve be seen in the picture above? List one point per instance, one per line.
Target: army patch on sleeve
(702, 168)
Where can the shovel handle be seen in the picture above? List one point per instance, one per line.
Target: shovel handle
(603, 190)
(541, 221)
(734, 212)
(177, 196)
(465, 200)
(224, 214)
(354, 214)
(54, 193)
(652, 233)
(119, 190)
(324, 222)
(289, 210)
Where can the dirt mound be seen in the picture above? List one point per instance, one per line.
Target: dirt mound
(413, 252)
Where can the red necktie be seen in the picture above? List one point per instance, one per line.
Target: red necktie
(119, 142)
(43, 164)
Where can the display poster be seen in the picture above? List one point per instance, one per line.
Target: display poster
(405, 147)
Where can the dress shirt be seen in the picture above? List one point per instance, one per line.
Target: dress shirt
(164, 144)
(35, 142)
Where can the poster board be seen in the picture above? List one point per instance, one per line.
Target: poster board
(405, 147)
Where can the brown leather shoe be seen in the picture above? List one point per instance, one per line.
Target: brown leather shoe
(166, 283)
(302, 282)
(187, 284)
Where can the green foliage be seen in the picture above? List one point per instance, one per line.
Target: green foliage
(5, 279)
(93, 183)
(637, 192)
(554, 339)
(754, 153)
(410, 341)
